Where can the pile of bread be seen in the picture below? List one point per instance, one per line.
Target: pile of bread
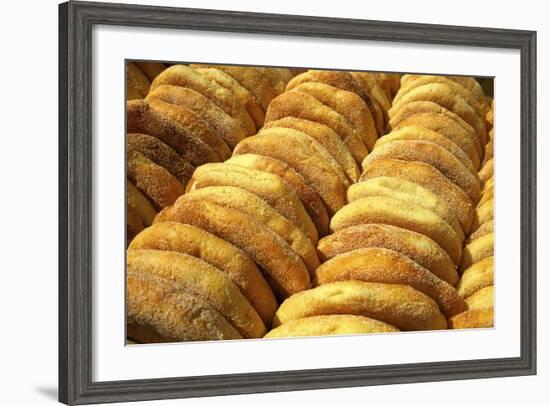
(270, 202)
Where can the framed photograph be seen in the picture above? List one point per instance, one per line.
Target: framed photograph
(259, 202)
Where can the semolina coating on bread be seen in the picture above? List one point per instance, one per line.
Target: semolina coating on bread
(476, 318)
(421, 249)
(348, 104)
(184, 76)
(448, 128)
(434, 155)
(320, 156)
(484, 298)
(160, 186)
(428, 177)
(345, 81)
(137, 84)
(388, 266)
(307, 195)
(477, 276)
(419, 133)
(227, 127)
(139, 204)
(158, 311)
(398, 305)
(250, 204)
(304, 106)
(251, 78)
(161, 154)
(217, 252)
(336, 324)
(267, 186)
(478, 249)
(242, 94)
(399, 213)
(315, 170)
(446, 96)
(407, 191)
(327, 138)
(194, 124)
(203, 280)
(141, 118)
(283, 269)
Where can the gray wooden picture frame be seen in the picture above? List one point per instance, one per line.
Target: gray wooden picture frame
(76, 20)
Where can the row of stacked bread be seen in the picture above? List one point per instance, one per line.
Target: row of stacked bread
(180, 118)
(293, 117)
(476, 284)
(402, 232)
(244, 234)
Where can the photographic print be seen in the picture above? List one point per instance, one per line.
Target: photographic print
(274, 202)
(296, 215)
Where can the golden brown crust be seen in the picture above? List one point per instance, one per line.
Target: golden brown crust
(449, 129)
(345, 81)
(151, 69)
(428, 177)
(251, 78)
(421, 107)
(419, 133)
(484, 298)
(486, 228)
(420, 80)
(387, 266)
(348, 104)
(416, 246)
(278, 78)
(158, 312)
(398, 305)
(487, 170)
(387, 210)
(159, 185)
(373, 86)
(140, 118)
(319, 155)
(390, 83)
(476, 277)
(194, 124)
(226, 126)
(217, 252)
(309, 198)
(327, 138)
(484, 212)
(199, 278)
(137, 84)
(250, 204)
(477, 318)
(267, 186)
(336, 324)
(139, 204)
(480, 248)
(447, 97)
(242, 94)
(434, 155)
(302, 105)
(161, 154)
(133, 224)
(408, 191)
(315, 170)
(283, 269)
(489, 183)
(474, 87)
(184, 76)
(380, 104)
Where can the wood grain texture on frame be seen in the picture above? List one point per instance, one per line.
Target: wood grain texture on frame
(75, 201)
